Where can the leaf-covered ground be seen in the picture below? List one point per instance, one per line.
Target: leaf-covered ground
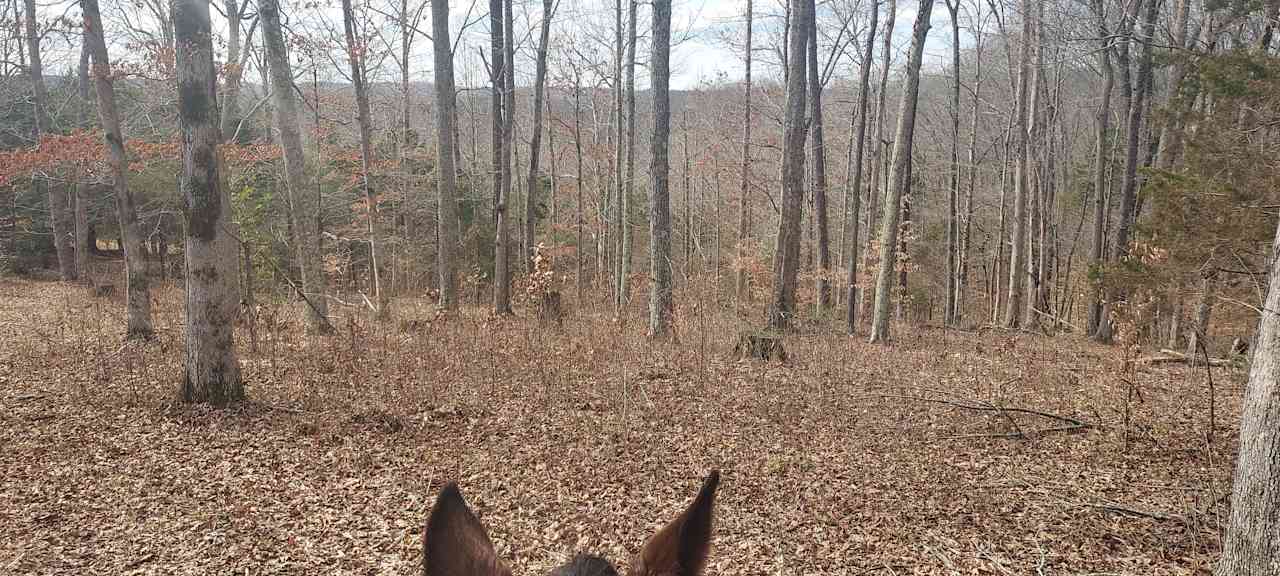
(849, 459)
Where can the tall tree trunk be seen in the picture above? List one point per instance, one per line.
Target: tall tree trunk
(878, 145)
(966, 237)
(628, 179)
(860, 139)
(535, 144)
(83, 191)
(786, 257)
(56, 195)
(1252, 544)
(356, 49)
(660, 306)
(899, 178)
(1129, 184)
(138, 298)
(501, 159)
(1036, 213)
(742, 285)
(304, 201)
(1096, 246)
(579, 281)
(953, 225)
(818, 153)
(446, 124)
(212, 371)
(1022, 143)
(1170, 138)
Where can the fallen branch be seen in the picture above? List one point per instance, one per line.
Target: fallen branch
(1172, 357)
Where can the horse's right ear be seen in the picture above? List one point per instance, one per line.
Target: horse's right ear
(455, 543)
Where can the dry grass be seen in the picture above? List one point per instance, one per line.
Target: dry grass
(842, 461)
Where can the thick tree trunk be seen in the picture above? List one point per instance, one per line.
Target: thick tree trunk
(56, 194)
(138, 293)
(356, 49)
(660, 305)
(966, 238)
(860, 137)
(899, 178)
(212, 370)
(742, 285)
(1037, 212)
(304, 201)
(535, 144)
(446, 124)
(1252, 544)
(818, 155)
(786, 258)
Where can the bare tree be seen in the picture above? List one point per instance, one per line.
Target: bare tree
(879, 146)
(212, 370)
(627, 183)
(742, 286)
(501, 159)
(860, 138)
(138, 298)
(1021, 179)
(899, 178)
(446, 124)
(1103, 118)
(535, 145)
(356, 49)
(660, 269)
(818, 155)
(234, 67)
(304, 208)
(950, 314)
(56, 195)
(786, 257)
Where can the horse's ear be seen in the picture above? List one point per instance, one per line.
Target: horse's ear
(680, 548)
(455, 543)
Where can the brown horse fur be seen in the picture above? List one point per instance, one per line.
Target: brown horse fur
(455, 543)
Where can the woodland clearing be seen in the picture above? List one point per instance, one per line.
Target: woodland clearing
(850, 458)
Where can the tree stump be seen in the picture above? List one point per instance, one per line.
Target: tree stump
(760, 346)
(549, 310)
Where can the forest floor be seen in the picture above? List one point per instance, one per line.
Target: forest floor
(850, 458)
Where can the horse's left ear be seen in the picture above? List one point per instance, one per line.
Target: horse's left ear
(455, 542)
(681, 547)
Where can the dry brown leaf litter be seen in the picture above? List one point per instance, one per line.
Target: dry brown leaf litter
(589, 439)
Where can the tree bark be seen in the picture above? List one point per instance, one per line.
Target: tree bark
(1198, 338)
(1252, 544)
(949, 304)
(231, 84)
(212, 370)
(818, 153)
(878, 145)
(138, 294)
(1018, 246)
(900, 177)
(535, 144)
(860, 138)
(83, 191)
(786, 257)
(446, 124)
(660, 305)
(56, 195)
(743, 285)
(1096, 247)
(501, 159)
(627, 183)
(304, 203)
(355, 57)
